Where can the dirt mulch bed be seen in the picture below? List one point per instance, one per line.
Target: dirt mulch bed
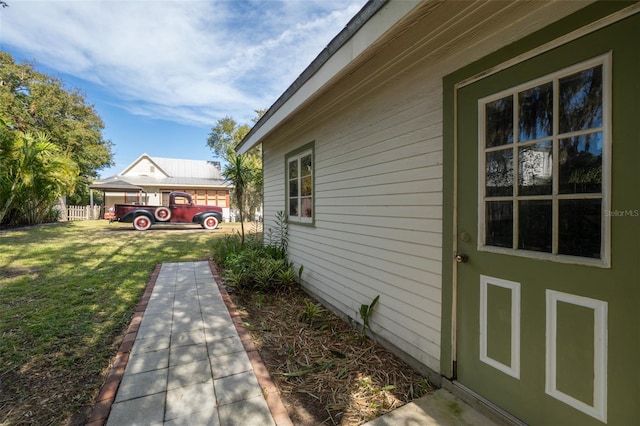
(326, 371)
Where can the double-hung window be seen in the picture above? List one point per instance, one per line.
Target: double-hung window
(300, 185)
(544, 149)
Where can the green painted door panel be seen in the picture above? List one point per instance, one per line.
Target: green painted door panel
(499, 325)
(589, 315)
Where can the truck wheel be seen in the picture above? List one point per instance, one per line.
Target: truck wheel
(141, 223)
(162, 214)
(210, 222)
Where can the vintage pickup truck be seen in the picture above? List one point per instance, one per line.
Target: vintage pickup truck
(181, 210)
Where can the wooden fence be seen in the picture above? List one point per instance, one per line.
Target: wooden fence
(81, 213)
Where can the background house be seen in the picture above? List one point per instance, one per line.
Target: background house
(518, 290)
(149, 180)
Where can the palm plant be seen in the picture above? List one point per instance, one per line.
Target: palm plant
(34, 174)
(238, 174)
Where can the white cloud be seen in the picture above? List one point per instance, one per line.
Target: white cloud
(188, 61)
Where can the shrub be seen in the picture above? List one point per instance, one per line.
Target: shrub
(253, 265)
(287, 276)
(223, 247)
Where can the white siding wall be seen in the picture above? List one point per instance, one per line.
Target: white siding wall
(378, 214)
(145, 168)
(378, 176)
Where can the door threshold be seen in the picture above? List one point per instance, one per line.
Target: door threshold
(482, 405)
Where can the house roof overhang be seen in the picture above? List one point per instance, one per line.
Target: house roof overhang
(385, 38)
(144, 183)
(364, 29)
(114, 183)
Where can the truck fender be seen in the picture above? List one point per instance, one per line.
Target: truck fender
(198, 218)
(202, 217)
(128, 218)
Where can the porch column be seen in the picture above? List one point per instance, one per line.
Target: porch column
(91, 204)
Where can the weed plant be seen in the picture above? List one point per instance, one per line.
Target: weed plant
(315, 315)
(365, 313)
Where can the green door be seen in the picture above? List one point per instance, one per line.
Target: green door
(547, 233)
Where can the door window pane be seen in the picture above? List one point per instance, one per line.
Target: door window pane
(561, 132)
(535, 164)
(499, 228)
(499, 122)
(579, 227)
(581, 164)
(535, 112)
(535, 225)
(499, 173)
(581, 100)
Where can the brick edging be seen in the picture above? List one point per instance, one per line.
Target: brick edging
(107, 395)
(269, 389)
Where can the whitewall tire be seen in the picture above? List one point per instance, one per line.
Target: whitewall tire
(141, 223)
(162, 214)
(210, 222)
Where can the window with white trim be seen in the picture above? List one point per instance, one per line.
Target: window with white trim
(300, 185)
(543, 165)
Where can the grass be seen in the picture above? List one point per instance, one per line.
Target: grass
(67, 291)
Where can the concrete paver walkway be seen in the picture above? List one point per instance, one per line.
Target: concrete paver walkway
(185, 360)
(188, 364)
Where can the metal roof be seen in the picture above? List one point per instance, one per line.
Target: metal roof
(114, 183)
(198, 169)
(176, 173)
(175, 181)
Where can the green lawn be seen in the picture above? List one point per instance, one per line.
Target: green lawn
(67, 291)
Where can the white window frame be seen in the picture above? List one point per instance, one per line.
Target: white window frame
(604, 261)
(297, 155)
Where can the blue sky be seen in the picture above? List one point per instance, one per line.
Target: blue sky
(161, 73)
